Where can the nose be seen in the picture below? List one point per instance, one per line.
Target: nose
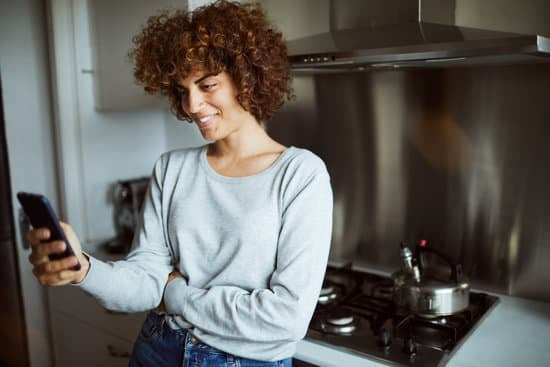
(193, 102)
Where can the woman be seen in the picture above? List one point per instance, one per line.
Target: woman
(232, 245)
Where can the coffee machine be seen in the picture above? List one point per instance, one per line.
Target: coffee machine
(127, 198)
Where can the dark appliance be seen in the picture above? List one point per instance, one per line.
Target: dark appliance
(128, 197)
(14, 348)
(356, 311)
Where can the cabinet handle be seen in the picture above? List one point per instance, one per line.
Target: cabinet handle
(116, 312)
(117, 353)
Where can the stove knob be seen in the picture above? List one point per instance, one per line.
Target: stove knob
(384, 337)
(409, 346)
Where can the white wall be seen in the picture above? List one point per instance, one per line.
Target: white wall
(115, 145)
(27, 107)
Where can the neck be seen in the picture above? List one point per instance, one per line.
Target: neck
(249, 140)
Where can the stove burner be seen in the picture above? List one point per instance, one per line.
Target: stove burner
(356, 311)
(328, 294)
(338, 329)
(339, 321)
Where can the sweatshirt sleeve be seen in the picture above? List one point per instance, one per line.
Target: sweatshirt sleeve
(137, 283)
(281, 312)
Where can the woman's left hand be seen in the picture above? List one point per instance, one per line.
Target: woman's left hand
(173, 275)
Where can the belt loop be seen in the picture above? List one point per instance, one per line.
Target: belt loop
(162, 322)
(232, 360)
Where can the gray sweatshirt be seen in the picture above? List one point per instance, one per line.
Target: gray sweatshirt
(252, 250)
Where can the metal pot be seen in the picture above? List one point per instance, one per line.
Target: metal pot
(426, 294)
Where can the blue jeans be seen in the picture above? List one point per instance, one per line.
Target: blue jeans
(160, 346)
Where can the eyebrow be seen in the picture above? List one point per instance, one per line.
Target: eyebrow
(206, 76)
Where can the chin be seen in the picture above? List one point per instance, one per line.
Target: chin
(209, 136)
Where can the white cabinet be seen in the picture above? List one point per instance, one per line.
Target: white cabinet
(86, 334)
(112, 26)
(80, 344)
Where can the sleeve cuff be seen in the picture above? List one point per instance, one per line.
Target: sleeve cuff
(97, 276)
(89, 257)
(175, 296)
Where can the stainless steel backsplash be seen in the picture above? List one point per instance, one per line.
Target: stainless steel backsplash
(459, 157)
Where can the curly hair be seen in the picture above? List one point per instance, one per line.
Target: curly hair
(222, 36)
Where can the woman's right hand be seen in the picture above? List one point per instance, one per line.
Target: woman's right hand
(56, 272)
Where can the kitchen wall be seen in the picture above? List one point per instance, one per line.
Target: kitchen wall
(527, 17)
(456, 156)
(298, 18)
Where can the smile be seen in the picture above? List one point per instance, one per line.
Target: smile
(205, 120)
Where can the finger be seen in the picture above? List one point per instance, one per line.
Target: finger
(55, 266)
(67, 228)
(71, 236)
(53, 272)
(35, 259)
(37, 235)
(174, 275)
(55, 279)
(48, 248)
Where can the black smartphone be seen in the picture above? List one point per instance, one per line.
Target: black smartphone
(41, 214)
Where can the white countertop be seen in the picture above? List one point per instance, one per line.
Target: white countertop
(515, 333)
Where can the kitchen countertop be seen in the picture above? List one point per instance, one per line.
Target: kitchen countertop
(516, 332)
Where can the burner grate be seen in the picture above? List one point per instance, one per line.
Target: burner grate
(441, 333)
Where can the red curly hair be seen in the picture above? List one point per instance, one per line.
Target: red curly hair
(223, 36)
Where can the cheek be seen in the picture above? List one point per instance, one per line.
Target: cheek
(229, 100)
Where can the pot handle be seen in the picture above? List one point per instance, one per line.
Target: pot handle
(456, 269)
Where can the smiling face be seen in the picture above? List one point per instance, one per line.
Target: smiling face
(211, 101)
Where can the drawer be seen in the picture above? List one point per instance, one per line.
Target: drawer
(79, 344)
(73, 302)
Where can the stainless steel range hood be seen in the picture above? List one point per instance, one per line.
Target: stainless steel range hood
(386, 34)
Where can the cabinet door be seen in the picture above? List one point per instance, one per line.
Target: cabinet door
(73, 302)
(79, 344)
(112, 26)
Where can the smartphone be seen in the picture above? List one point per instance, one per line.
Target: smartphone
(41, 214)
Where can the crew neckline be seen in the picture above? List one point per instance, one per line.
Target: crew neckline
(212, 173)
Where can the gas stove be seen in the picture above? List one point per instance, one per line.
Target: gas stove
(356, 312)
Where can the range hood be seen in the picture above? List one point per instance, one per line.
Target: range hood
(367, 34)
